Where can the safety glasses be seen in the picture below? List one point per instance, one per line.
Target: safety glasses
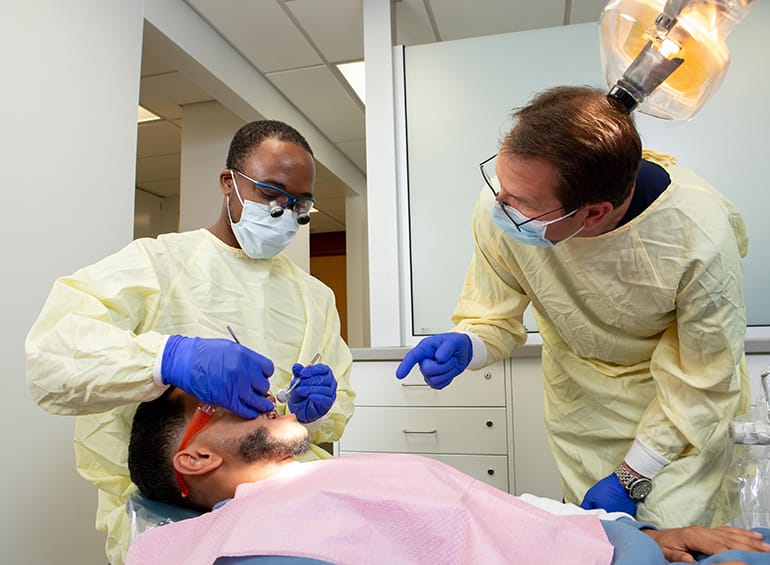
(199, 420)
(301, 205)
(489, 172)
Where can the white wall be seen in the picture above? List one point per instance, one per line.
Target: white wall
(206, 134)
(382, 202)
(154, 214)
(356, 242)
(459, 98)
(68, 156)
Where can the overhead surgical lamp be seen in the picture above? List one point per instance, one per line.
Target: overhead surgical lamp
(667, 57)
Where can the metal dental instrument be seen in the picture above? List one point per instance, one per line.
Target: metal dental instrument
(235, 339)
(232, 333)
(284, 394)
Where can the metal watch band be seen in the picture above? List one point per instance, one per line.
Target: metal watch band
(637, 487)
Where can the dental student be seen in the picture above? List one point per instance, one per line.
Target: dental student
(155, 314)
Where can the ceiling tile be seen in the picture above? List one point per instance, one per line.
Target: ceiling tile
(261, 31)
(333, 206)
(458, 20)
(323, 224)
(330, 216)
(324, 175)
(158, 138)
(324, 100)
(335, 26)
(413, 23)
(154, 64)
(156, 49)
(583, 11)
(164, 188)
(157, 168)
(165, 94)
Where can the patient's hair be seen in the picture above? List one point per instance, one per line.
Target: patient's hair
(155, 435)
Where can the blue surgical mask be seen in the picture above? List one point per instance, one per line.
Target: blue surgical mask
(530, 233)
(260, 235)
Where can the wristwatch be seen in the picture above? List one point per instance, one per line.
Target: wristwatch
(638, 487)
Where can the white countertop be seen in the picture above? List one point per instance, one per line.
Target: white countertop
(757, 341)
(532, 348)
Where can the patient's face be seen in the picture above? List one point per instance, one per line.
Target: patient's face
(268, 437)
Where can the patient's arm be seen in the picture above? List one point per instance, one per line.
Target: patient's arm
(677, 543)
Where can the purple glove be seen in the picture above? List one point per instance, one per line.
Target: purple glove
(610, 495)
(220, 372)
(441, 357)
(315, 392)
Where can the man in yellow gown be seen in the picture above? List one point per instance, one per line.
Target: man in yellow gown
(633, 267)
(156, 313)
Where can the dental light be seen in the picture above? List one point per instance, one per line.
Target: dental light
(667, 57)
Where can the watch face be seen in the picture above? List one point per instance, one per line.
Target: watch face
(640, 489)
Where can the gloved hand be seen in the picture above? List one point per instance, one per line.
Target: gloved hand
(315, 392)
(220, 372)
(610, 495)
(441, 357)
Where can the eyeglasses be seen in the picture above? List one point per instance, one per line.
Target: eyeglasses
(489, 172)
(279, 200)
(199, 420)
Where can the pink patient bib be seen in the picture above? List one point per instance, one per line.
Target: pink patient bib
(394, 509)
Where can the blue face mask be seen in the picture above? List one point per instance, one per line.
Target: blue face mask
(260, 235)
(530, 233)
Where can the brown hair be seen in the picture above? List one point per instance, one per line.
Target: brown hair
(590, 140)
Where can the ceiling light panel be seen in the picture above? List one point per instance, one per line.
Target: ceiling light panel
(355, 74)
(144, 115)
(325, 102)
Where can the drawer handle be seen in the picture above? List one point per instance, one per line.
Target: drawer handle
(414, 384)
(408, 431)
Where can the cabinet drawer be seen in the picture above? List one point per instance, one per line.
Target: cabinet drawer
(491, 469)
(376, 384)
(426, 430)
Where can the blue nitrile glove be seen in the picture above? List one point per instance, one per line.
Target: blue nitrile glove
(315, 392)
(441, 357)
(220, 372)
(610, 495)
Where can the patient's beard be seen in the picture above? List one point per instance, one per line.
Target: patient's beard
(261, 445)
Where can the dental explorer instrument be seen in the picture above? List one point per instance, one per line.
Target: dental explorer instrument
(283, 394)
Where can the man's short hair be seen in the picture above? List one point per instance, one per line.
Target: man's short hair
(155, 436)
(252, 134)
(590, 140)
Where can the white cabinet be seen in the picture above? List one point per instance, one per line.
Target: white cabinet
(466, 425)
(488, 423)
(534, 467)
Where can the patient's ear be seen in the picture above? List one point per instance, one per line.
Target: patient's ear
(196, 461)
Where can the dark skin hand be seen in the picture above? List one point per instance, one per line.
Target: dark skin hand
(677, 543)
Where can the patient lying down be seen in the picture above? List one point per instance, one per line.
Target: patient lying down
(368, 509)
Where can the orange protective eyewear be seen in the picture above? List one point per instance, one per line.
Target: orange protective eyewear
(199, 420)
